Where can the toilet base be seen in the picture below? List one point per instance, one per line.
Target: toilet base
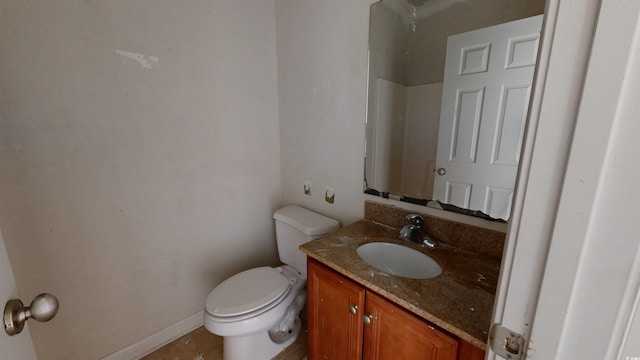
(257, 346)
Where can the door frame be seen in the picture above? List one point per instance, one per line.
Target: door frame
(567, 33)
(590, 290)
(571, 268)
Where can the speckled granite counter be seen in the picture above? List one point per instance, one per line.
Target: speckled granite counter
(460, 300)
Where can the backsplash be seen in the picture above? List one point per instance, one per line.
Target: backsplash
(467, 237)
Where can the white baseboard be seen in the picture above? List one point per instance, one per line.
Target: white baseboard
(159, 339)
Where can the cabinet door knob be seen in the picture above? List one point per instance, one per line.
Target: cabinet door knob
(367, 319)
(353, 309)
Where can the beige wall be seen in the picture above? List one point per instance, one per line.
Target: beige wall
(322, 85)
(130, 188)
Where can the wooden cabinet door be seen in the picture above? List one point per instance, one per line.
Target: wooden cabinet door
(334, 332)
(394, 333)
(466, 351)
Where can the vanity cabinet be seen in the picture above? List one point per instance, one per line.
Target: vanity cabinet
(346, 321)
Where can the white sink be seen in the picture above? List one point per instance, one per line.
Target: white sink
(399, 260)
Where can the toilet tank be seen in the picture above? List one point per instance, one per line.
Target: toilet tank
(295, 226)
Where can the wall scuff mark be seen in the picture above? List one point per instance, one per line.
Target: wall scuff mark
(146, 62)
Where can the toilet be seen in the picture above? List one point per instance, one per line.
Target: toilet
(257, 311)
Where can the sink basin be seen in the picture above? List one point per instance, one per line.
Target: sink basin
(399, 260)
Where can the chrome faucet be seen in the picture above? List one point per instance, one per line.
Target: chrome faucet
(413, 232)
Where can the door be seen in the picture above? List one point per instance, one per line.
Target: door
(556, 94)
(590, 295)
(335, 306)
(17, 347)
(395, 333)
(486, 91)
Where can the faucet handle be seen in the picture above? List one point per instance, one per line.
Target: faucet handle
(416, 219)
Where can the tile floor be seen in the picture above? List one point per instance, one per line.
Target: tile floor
(200, 344)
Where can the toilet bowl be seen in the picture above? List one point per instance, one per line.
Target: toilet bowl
(257, 310)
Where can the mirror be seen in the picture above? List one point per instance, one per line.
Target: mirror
(412, 102)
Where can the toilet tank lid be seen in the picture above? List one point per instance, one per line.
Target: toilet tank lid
(307, 221)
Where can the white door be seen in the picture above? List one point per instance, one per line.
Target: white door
(486, 91)
(17, 347)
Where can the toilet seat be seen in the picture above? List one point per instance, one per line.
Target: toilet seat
(248, 293)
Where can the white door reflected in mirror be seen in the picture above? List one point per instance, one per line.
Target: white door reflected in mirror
(485, 98)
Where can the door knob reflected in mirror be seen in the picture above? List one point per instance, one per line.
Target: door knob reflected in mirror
(43, 308)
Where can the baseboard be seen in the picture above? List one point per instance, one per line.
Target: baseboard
(159, 339)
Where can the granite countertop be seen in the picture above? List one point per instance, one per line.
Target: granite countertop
(460, 300)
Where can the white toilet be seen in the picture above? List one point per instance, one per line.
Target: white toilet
(256, 311)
